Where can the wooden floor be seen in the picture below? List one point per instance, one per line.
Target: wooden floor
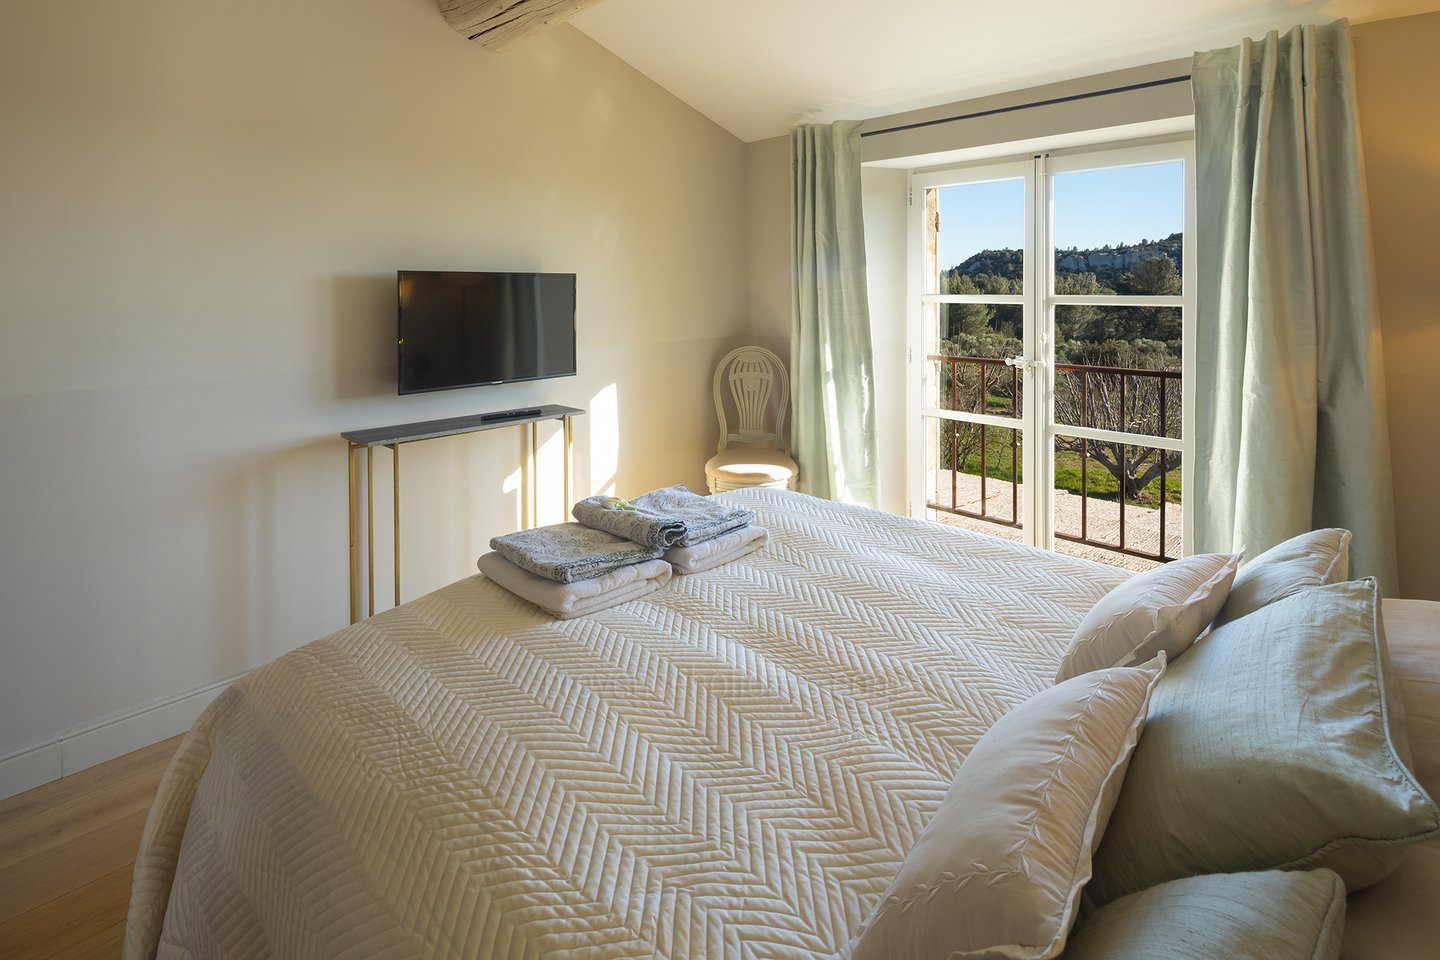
(66, 852)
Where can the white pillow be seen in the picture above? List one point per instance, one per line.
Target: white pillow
(998, 872)
(1161, 609)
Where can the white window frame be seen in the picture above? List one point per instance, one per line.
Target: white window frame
(1037, 431)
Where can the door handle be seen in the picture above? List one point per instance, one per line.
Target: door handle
(1024, 364)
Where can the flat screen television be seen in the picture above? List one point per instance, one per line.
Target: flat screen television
(470, 329)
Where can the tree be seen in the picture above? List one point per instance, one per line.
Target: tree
(1154, 277)
(1093, 398)
(1081, 321)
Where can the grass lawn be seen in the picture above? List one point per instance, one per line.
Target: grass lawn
(1102, 484)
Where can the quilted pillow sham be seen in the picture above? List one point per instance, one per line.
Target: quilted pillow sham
(1274, 915)
(1161, 609)
(998, 872)
(1272, 744)
(1313, 559)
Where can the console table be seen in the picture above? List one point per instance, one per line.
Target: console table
(402, 433)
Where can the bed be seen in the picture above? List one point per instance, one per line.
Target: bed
(733, 766)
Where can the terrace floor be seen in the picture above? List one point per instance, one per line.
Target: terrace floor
(1142, 524)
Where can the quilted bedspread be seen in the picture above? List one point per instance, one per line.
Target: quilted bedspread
(732, 766)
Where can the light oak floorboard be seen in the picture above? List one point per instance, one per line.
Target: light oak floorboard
(105, 945)
(67, 850)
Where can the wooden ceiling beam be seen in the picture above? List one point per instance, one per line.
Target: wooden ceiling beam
(495, 24)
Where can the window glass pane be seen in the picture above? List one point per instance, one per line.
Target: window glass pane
(965, 369)
(1118, 230)
(1118, 368)
(973, 471)
(979, 233)
(1090, 478)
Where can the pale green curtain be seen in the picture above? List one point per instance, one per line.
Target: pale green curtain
(1290, 411)
(832, 372)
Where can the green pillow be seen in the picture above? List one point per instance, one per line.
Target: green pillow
(1312, 559)
(1270, 745)
(1277, 915)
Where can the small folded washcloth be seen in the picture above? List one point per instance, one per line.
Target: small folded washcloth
(627, 520)
(717, 550)
(567, 552)
(582, 598)
(669, 517)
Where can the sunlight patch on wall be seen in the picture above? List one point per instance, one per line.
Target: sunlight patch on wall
(554, 506)
(515, 483)
(604, 420)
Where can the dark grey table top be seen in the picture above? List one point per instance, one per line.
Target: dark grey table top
(427, 429)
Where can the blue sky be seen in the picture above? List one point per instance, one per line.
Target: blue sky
(1092, 208)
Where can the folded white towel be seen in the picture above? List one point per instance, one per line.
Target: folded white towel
(583, 597)
(568, 552)
(717, 550)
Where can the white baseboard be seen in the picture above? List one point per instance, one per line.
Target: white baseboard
(105, 739)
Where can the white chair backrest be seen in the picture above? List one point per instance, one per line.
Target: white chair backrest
(758, 384)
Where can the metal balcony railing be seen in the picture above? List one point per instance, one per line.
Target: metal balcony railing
(1117, 399)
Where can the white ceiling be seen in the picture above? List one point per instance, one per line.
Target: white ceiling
(758, 66)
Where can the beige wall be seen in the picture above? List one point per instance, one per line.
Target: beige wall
(767, 247)
(202, 207)
(1398, 79)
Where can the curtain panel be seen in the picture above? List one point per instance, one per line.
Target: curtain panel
(832, 381)
(1290, 402)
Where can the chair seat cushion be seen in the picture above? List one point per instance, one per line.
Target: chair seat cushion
(751, 465)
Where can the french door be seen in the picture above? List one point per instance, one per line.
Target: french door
(1050, 349)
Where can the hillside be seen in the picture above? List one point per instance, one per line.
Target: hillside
(1109, 264)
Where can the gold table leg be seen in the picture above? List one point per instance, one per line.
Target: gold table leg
(370, 527)
(569, 463)
(354, 536)
(395, 465)
(534, 474)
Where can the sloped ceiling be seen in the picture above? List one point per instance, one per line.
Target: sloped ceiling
(757, 66)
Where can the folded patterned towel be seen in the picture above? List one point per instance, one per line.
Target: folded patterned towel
(627, 520)
(567, 552)
(717, 550)
(704, 517)
(570, 600)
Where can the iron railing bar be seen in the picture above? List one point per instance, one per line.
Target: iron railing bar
(1014, 438)
(954, 460)
(984, 442)
(1127, 371)
(972, 515)
(1110, 546)
(1124, 471)
(1164, 456)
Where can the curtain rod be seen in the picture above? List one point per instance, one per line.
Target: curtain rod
(1026, 106)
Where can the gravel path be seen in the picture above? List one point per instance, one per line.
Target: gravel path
(1142, 524)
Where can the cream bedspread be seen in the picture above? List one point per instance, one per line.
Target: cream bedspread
(732, 766)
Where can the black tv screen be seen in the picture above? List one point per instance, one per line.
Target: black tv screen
(468, 329)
